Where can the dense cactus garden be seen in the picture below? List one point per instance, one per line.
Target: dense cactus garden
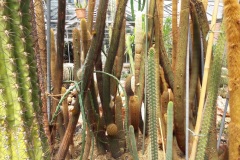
(163, 105)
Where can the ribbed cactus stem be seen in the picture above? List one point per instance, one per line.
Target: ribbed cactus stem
(152, 102)
(129, 42)
(18, 84)
(139, 51)
(133, 143)
(118, 62)
(169, 131)
(210, 110)
(76, 52)
(85, 39)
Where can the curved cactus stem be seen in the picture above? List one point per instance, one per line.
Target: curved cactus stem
(209, 118)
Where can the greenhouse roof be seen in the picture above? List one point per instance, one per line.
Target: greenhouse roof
(72, 21)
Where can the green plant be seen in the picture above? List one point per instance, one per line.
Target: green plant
(152, 102)
(19, 98)
(169, 131)
(167, 29)
(133, 144)
(209, 119)
(78, 4)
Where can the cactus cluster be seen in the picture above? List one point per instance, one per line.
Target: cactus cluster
(19, 96)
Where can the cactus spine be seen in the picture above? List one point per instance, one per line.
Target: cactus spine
(18, 85)
(152, 102)
(209, 118)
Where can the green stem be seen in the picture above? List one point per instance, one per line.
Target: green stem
(169, 130)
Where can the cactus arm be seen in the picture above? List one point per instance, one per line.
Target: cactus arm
(119, 121)
(110, 60)
(196, 56)
(232, 21)
(169, 130)
(85, 39)
(129, 52)
(210, 109)
(118, 62)
(163, 58)
(39, 11)
(133, 143)
(205, 79)
(27, 69)
(139, 49)
(152, 102)
(5, 94)
(15, 128)
(76, 52)
(91, 5)
(202, 20)
(87, 68)
(179, 76)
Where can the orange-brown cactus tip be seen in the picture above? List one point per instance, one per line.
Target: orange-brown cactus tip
(129, 85)
(112, 129)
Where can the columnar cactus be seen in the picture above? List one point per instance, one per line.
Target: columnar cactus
(152, 102)
(19, 99)
(232, 24)
(209, 118)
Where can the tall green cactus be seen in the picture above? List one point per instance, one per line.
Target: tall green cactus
(152, 102)
(169, 130)
(19, 97)
(210, 110)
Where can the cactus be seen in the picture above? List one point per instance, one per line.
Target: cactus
(53, 54)
(179, 76)
(91, 5)
(119, 122)
(129, 85)
(202, 20)
(169, 131)
(134, 112)
(152, 102)
(133, 143)
(232, 21)
(118, 62)
(209, 118)
(196, 56)
(139, 47)
(129, 42)
(85, 39)
(107, 113)
(76, 52)
(18, 86)
(174, 33)
(39, 11)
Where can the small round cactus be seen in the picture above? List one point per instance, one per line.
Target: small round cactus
(112, 129)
